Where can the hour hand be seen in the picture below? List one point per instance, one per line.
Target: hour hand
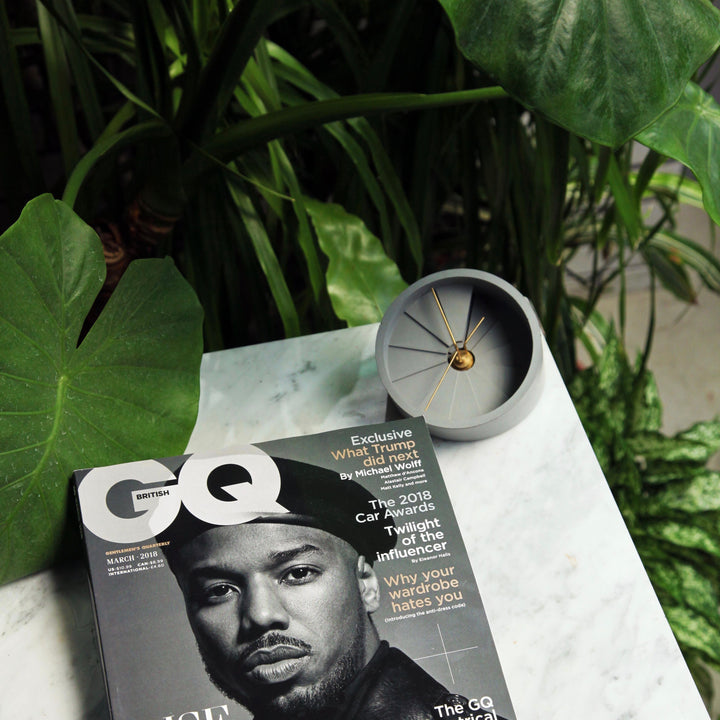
(445, 320)
(472, 332)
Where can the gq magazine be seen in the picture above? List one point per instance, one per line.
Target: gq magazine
(321, 576)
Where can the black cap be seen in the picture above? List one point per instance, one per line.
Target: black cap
(309, 496)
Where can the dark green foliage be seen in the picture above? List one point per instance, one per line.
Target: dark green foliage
(548, 54)
(127, 390)
(668, 497)
(262, 137)
(220, 118)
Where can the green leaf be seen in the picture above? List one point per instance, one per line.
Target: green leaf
(345, 35)
(229, 143)
(604, 70)
(238, 36)
(683, 447)
(671, 273)
(694, 631)
(264, 86)
(80, 68)
(369, 175)
(687, 586)
(298, 75)
(648, 409)
(668, 498)
(612, 369)
(685, 189)
(685, 536)
(128, 391)
(268, 261)
(107, 143)
(700, 494)
(661, 472)
(362, 281)
(706, 433)
(690, 132)
(627, 209)
(119, 86)
(303, 233)
(108, 36)
(59, 82)
(16, 104)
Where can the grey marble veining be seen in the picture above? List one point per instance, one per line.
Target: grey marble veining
(49, 659)
(285, 388)
(578, 628)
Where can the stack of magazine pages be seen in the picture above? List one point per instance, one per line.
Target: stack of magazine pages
(321, 576)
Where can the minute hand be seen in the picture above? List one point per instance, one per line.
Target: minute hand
(437, 387)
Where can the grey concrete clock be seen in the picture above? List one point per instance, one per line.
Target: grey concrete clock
(463, 348)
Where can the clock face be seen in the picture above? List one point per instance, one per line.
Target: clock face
(463, 349)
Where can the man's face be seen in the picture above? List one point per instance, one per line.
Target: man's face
(280, 613)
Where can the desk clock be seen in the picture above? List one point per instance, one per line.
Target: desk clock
(463, 349)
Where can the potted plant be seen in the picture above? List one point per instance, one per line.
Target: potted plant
(290, 173)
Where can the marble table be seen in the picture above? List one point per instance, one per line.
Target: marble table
(578, 628)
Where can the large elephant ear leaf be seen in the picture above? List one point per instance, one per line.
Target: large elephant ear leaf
(130, 390)
(600, 68)
(690, 132)
(362, 280)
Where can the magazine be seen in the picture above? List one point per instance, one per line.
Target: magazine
(321, 576)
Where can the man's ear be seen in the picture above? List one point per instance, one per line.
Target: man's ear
(368, 584)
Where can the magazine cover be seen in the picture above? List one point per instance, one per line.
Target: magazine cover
(321, 576)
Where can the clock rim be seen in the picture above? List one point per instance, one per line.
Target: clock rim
(510, 411)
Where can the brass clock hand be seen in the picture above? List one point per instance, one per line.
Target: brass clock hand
(437, 387)
(447, 324)
(472, 332)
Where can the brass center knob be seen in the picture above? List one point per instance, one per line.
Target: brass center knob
(464, 360)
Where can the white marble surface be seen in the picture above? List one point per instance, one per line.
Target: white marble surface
(578, 628)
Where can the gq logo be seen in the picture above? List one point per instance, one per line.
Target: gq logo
(155, 504)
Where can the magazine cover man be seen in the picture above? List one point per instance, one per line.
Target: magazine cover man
(281, 605)
(280, 570)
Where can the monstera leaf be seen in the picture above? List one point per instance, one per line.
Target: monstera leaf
(604, 69)
(129, 390)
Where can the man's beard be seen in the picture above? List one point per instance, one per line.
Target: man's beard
(317, 701)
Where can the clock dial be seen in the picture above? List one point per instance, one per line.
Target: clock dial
(456, 348)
